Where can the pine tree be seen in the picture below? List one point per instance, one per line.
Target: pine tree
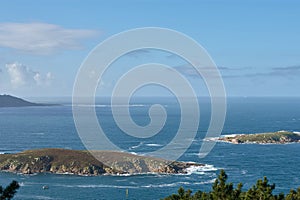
(221, 190)
(9, 192)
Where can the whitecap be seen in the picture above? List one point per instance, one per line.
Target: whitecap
(282, 131)
(230, 135)
(154, 145)
(200, 169)
(137, 146)
(160, 185)
(96, 186)
(35, 197)
(37, 133)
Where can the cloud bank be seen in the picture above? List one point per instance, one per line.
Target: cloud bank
(41, 38)
(21, 75)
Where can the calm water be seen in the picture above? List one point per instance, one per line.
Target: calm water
(42, 127)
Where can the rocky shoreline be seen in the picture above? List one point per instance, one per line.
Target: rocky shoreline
(279, 137)
(80, 162)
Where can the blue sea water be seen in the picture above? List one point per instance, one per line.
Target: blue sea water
(44, 127)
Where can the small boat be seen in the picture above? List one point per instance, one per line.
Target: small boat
(45, 187)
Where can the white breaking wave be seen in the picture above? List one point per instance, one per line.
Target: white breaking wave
(37, 133)
(160, 185)
(137, 146)
(200, 169)
(154, 145)
(35, 197)
(109, 105)
(163, 185)
(176, 184)
(97, 186)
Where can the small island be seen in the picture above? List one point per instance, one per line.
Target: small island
(11, 101)
(81, 162)
(279, 137)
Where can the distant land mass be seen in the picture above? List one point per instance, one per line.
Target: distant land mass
(279, 137)
(11, 101)
(81, 162)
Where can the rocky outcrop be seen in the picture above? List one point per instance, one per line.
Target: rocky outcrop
(78, 162)
(280, 137)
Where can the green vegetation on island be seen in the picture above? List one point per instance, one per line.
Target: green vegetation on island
(221, 190)
(81, 162)
(280, 137)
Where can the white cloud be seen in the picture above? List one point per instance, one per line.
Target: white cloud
(43, 80)
(41, 38)
(21, 75)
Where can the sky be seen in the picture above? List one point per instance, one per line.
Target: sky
(254, 44)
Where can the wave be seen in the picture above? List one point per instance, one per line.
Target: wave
(137, 146)
(37, 133)
(35, 197)
(153, 145)
(109, 105)
(176, 184)
(22, 184)
(97, 186)
(8, 151)
(142, 143)
(163, 185)
(200, 169)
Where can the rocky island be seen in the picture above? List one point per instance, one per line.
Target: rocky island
(279, 137)
(81, 162)
(11, 101)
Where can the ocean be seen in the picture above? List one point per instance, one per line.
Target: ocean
(53, 127)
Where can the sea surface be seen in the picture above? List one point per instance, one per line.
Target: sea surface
(49, 127)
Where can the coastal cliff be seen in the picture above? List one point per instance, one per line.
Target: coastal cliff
(279, 137)
(80, 162)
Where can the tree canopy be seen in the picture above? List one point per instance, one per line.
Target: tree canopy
(9, 191)
(221, 190)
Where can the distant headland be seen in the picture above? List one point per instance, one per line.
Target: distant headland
(279, 137)
(11, 101)
(81, 162)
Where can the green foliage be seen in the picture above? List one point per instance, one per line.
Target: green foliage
(9, 191)
(221, 190)
(293, 195)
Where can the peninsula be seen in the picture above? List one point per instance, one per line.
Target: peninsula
(81, 162)
(279, 137)
(11, 101)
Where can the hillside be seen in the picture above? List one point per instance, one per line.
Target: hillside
(83, 163)
(11, 101)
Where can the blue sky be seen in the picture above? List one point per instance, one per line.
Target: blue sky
(255, 44)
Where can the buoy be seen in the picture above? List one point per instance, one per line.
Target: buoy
(127, 192)
(45, 187)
